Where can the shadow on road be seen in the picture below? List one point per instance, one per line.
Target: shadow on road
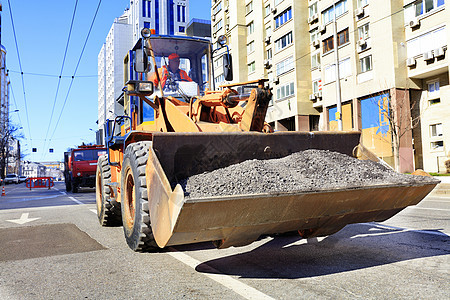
(355, 247)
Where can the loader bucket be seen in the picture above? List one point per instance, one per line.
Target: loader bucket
(241, 219)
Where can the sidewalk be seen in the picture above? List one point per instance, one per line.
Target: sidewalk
(443, 187)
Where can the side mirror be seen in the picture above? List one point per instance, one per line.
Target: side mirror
(140, 61)
(227, 67)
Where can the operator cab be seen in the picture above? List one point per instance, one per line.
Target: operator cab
(193, 55)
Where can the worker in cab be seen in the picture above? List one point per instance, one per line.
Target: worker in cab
(170, 74)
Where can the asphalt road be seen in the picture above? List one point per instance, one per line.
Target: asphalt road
(52, 247)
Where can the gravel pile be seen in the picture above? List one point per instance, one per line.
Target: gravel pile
(310, 170)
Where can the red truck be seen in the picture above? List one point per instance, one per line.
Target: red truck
(80, 165)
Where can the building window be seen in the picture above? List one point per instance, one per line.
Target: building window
(283, 42)
(425, 6)
(283, 18)
(436, 130)
(251, 67)
(219, 79)
(329, 14)
(250, 28)
(268, 31)
(313, 9)
(433, 88)
(267, 10)
(217, 8)
(316, 86)
(285, 91)
(217, 26)
(362, 3)
(285, 65)
(343, 38)
(363, 31)
(366, 63)
(250, 47)
(426, 42)
(345, 70)
(181, 29)
(269, 53)
(315, 60)
(437, 146)
(249, 7)
(314, 35)
(146, 24)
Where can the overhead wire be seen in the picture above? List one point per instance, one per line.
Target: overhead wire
(21, 71)
(60, 74)
(51, 75)
(76, 69)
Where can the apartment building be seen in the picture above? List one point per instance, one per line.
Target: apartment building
(165, 16)
(397, 104)
(427, 38)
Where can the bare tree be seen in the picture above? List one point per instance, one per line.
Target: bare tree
(9, 133)
(395, 111)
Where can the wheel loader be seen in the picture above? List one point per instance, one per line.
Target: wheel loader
(183, 128)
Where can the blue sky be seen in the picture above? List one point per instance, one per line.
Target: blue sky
(42, 29)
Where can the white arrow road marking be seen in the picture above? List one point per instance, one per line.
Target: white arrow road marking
(23, 219)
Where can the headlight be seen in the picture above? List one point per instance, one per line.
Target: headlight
(145, 87)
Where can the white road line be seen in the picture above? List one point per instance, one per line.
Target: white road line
(418, 207)
(235, 285)
(439, 201)
(404, 229)
(76, 201)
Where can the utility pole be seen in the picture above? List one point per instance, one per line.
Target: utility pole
(338, 80)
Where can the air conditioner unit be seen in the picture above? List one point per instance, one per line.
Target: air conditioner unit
(362, 42)
(213, 17)
(267, 39)
(227, 27)
(313, 18)
(226, 9)
(319, 94)
(316, 43)
(274, 10)
(428, 55)
(267, 63)
(359, 12)
(312, 97)
(414, 23)
(322, 28)
(214, 35)
(439, 52)
(410, 62)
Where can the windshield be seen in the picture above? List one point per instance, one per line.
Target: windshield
(182, 66)
(88, 154)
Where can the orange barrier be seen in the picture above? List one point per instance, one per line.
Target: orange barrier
(39, 182)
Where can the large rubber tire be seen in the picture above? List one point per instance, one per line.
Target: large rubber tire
(74, 188)
(108, 213)
(134, 199)
(68, 186)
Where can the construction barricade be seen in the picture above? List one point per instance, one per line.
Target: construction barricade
(39, 182)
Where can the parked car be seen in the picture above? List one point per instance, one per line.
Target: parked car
(22, 178)
(11, 178)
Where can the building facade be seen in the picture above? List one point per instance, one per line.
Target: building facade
(165, 16)
(399, 106)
